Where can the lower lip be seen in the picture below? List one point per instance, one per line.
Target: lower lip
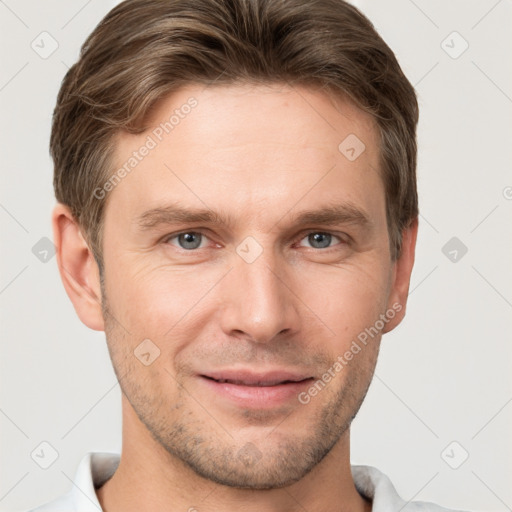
(261, 397)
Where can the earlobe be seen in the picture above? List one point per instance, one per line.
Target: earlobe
(77, 267)
(402, 276)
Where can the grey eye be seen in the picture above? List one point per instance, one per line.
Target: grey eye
(319, 240)
(190, 240)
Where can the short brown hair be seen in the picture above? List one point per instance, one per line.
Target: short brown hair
(145, 49)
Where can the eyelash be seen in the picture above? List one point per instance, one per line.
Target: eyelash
(343, 239)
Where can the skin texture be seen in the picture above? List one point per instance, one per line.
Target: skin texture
(260, 155)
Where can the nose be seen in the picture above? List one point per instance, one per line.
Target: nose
(257, 300)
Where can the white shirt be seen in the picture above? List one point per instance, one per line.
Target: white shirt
(96, 468)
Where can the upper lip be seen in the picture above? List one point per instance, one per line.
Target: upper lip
(252, 378)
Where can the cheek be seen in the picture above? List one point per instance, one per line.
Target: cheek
(347, 299)
(159, 301)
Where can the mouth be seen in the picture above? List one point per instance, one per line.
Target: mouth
(256, 390)
(248, 378)
(257, 383)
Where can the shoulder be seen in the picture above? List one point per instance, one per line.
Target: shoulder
(93, 470)
(374, 485)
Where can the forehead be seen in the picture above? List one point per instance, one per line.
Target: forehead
(257, 113)
(261, 141)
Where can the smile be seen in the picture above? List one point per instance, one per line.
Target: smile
(256, 391)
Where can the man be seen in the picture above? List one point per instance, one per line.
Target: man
(237, 210)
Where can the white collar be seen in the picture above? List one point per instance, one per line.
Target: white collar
(96, 468)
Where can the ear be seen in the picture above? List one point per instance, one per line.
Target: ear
(77, 267)
(402, 276)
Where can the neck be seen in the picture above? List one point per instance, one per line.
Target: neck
(149, 478)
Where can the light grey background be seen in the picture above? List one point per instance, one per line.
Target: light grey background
(444, 375)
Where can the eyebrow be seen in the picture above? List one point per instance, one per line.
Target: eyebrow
(346, 213)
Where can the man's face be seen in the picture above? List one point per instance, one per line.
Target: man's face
(258, 300)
